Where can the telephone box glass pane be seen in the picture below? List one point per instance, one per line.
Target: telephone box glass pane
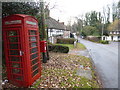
(35, 72)
(14, 52)
(33, 39)
(33, 50)
(16, 71)
(12, 33)
(33, 44)
(16, 65)
(34, 67)
(34, 61)
(16, 59)
(17, 77)
(32, 32)
(13, 46)
(13, 39)
(34, 56)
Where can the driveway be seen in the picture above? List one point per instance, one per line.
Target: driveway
(105, 58)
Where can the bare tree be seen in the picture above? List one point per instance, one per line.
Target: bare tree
(108, 14)
(114, 11)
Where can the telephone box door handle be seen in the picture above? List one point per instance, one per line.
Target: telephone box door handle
(21, 53)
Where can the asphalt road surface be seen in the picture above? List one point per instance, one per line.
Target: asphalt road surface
(105, 58)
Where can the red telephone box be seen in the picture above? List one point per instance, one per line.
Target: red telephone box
(22, 51)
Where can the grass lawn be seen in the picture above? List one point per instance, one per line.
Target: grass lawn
(71, 46)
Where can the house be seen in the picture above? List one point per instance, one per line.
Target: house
(66, 33)
(55, 28)
(114, 35)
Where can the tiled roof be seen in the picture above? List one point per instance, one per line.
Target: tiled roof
(53, 24)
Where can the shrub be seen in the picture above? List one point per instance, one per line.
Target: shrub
(104, 42)
(49, 43)
(58, 48)
(65, 40)
(93, 38)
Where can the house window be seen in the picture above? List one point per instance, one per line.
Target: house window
(51, 30)
(114, 32)
(118, 37)
(117, 32)
(110, 32)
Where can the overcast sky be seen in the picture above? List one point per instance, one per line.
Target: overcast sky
(66, 9)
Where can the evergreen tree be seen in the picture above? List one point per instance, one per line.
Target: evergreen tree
(29, 8)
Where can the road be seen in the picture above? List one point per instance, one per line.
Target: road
(105, 58)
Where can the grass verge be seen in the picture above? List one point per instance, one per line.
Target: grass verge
(71, 46)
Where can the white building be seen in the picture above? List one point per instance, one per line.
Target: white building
(113, 36)
(55, 28)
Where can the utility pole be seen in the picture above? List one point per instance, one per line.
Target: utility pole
(102, 27)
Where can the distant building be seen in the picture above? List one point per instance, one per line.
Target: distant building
(55, 28)
(114, 35)
(66, 33)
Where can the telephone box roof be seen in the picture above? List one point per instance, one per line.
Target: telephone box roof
(21, 15)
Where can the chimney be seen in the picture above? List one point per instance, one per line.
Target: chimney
(58, 20)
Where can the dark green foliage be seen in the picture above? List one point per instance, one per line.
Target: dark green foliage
(90, 30)
(58, 48)
(93, 24)
(104, 42)
(49, 43)
(71, 35)
(92, 18)
(28, 8)
(65, 40)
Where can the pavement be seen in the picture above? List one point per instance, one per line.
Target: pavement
(82, 71)
(81, 52)
(105, 58)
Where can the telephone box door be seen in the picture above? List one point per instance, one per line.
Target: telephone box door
(15, 54)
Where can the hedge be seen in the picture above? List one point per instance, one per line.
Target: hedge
(104, 42)
(93, 38)
(65, 40)
(58, 48)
